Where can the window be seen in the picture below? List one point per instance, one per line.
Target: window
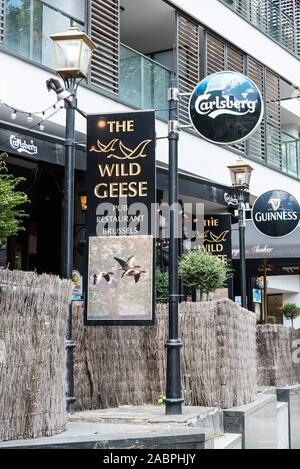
(28, 24)
(74, 9)
(279, 19)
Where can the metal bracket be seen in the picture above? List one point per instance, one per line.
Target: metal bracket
(185, 94)
(173, 94)
(174, 127)
(188, 126)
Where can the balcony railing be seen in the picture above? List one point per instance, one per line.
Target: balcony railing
(290, 155)
(144, 83)
(28, 26)
(267, 16)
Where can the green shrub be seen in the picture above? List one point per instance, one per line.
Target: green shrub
(162, 287)
(10, 201)
(200, 270)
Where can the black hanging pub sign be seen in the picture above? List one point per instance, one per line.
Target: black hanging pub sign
(121, 190)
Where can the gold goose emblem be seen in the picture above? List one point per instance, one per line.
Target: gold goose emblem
(104, 148)
(209, 237)
(125, 152)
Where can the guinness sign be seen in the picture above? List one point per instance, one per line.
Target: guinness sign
(276, 214)
(226, 108)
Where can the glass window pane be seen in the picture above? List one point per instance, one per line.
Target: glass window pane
(17, 26)
(74, 8)
(131, 77)
(53, 22)
(28, 24)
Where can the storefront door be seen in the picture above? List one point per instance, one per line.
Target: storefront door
(38, 246)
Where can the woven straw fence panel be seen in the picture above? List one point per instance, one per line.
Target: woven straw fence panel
(117, 366)
(33, 317)
(278, 363)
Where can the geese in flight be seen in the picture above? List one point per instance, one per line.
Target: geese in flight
(136, 274)
(130, 269)
(100, 275)
(127, 266)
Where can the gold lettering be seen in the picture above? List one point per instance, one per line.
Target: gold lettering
(143, 192)
(135, 169)
(212, 222)
(98, 191)
(121, 126)
(106, 170)
(130, 126)
(133, 190)
(120, 170)
(116, 190)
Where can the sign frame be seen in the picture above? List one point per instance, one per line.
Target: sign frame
(224, 223)
(89, 320)
(261, 232)
(234, 142)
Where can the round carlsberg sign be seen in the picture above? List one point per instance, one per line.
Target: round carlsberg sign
(276, 213)
(226, 108)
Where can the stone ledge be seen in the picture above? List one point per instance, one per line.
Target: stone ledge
(105, 436)
(152, 415)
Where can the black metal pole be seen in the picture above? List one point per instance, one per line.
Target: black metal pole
(68, 232)
(242, 230)
(174, 399)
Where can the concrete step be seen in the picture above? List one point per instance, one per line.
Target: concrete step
(257, 422)
(124, 436)
(210, 419)
(229, 441)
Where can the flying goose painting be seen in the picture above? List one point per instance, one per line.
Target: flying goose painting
(130, 269)
(127, 266)
(100, 275)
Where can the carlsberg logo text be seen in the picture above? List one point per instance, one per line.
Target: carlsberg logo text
(22, 146)
(276, 216)
(220, 105)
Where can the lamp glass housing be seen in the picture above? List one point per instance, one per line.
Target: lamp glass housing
(73, 53)
(240, 173)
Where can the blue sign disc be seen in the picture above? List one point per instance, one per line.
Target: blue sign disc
(226, 108)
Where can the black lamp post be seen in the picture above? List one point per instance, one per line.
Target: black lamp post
(174, 399)
(73, 54)
(240, 173)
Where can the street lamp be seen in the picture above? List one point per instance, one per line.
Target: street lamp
(73, 54)
(240, 173)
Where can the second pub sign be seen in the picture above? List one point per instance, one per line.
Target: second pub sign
(121, 192)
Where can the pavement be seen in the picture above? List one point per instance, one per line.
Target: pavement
(136, 427)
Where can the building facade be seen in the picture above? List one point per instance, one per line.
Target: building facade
(140, 44)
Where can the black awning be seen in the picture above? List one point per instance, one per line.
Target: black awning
(37, 147)
(259, 246)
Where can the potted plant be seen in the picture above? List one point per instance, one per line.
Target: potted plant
(200, 270)
(291, 312)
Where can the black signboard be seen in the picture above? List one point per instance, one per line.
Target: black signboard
(226, 108)
(276, 214)
(218, 241)
(121, 194)
(217, 236)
